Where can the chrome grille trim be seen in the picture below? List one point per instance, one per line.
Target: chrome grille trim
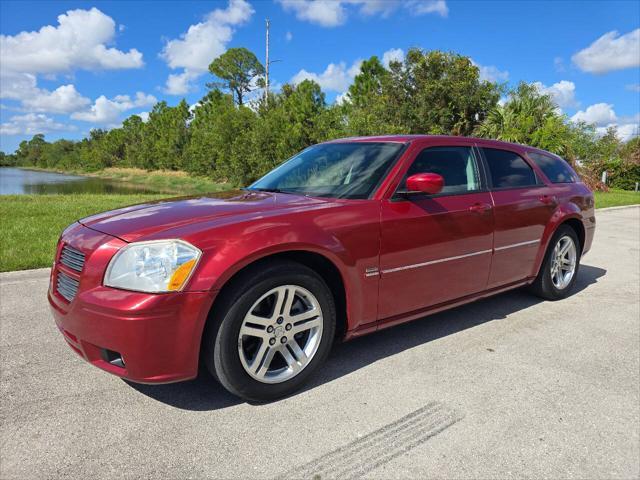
(72, 258)
(67, 286)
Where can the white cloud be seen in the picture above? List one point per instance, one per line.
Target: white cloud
(342, 98)
(426, 6)
(332, 13)
(354, 69)
(64, 99)
(180, 83)
(491, 73)
(201, 44)
(288, 36)
(627, 131)
(326, 13)
(335, 78)
(79, 41)
(32, 124)
(604, 117)
(23, 87)
(105, 111)
(16, 85)
(82, 39)
(633, 87)
(393, 55)
(611, 51)
(563, 93)
(600, 113)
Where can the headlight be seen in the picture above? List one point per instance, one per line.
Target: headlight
(157, 266)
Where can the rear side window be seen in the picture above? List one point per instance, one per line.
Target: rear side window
(456, 165)
(508, 169)
(556, 169)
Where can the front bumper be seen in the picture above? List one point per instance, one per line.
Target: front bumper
(156, 335)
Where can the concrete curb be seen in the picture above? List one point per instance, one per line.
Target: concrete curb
(622, 207)
(39, 273)
(24, 275)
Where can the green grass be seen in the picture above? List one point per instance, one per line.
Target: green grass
(616, 198)
(31, 224)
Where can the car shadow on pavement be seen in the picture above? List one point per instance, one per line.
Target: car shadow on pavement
(200, 394)
(204, 393)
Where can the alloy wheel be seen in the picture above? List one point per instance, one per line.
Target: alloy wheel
(563, 262)
(280, 334)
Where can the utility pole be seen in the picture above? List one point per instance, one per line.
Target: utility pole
(266, 67)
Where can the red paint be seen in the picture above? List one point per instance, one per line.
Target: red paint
(430, 183)
(159, 334)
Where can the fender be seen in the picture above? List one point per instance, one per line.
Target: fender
(561, 214)
(350, 244)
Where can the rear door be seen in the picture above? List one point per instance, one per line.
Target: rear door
(435, 248)
(523, 206)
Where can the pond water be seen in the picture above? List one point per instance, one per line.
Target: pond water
(19, 181)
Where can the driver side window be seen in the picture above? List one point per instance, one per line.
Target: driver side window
(456, 165)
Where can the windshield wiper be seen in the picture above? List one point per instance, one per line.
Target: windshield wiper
(270, 190)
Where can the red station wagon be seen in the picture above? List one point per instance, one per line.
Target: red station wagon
(346, 238)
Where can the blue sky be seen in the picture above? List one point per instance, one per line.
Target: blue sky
(68, 66)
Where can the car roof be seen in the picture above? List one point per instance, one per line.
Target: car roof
(410, 138)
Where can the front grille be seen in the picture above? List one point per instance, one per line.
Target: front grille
(72, 258)
(67, 286)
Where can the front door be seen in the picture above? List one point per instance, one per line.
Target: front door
(436, 248)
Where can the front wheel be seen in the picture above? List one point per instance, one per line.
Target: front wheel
(559, 269)
(273, 334)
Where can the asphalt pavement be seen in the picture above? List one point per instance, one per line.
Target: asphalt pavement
(508, 387)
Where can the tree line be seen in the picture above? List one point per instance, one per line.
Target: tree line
(430, 92)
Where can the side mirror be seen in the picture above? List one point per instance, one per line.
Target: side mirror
(430, 183)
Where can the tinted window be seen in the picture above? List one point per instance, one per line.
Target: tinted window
(455, 164)
(341, 170)
(508, 169)
(556, 169)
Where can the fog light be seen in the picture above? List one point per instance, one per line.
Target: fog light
(114, 358)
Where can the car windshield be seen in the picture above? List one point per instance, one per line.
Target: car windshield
(340, 170)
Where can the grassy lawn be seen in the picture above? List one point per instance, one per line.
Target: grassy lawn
(31, 224)
(616, 198)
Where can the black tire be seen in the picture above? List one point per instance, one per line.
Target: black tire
(543, 285)
(220, 339)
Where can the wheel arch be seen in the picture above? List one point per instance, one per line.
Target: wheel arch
(578, 227)
(562, 216)
(318, 262)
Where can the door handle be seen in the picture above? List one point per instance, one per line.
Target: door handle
(480, 207)
(548, 199)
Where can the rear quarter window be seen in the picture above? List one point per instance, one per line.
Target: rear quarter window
(556, 169)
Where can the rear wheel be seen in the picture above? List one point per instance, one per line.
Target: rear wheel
(559, 269)
(273, 334)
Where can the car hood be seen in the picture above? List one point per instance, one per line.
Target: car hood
(151, 219)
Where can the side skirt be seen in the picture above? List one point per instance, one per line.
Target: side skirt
(416, 314)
